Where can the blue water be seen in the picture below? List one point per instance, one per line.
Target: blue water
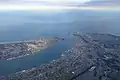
(44, 56)
(16, 26)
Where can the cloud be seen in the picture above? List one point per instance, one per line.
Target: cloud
(55, 8)
(103, 2)
(61, 2)
(105, 5)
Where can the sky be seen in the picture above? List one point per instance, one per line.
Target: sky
(45, 2)
(59, 4)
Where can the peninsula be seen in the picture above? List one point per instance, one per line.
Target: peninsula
(14, 50)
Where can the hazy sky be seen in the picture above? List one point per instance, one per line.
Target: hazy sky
(59, 4)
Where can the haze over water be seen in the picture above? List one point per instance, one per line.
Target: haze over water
(24, 25)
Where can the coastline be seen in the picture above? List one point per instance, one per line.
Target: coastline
(19, 49)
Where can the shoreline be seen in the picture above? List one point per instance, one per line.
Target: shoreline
(19, 49)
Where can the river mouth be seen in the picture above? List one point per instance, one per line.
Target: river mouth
(44, 56)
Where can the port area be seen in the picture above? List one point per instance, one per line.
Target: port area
(90, 59)
(18, 49)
